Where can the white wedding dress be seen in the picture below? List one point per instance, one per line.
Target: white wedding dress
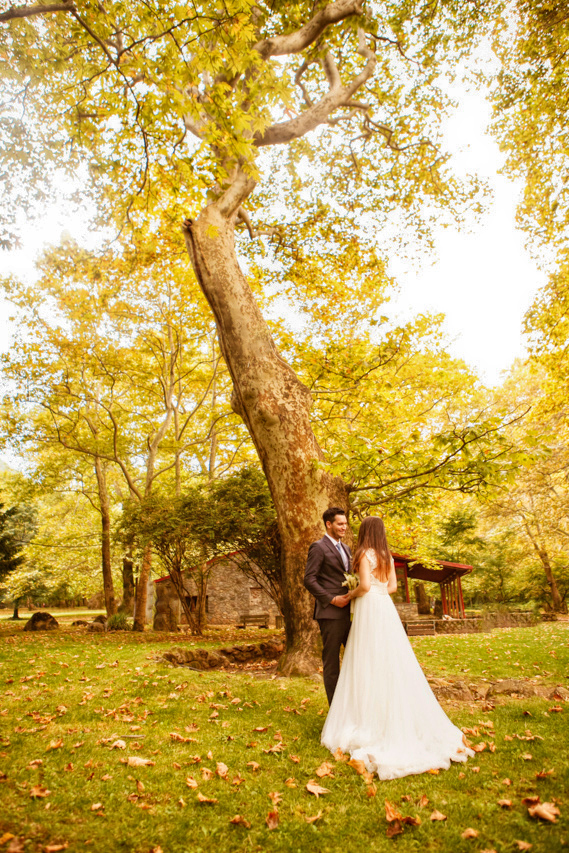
(383, 711)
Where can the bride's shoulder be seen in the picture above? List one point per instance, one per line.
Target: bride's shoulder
(372, 557)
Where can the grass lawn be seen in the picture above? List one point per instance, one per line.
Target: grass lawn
(249, 745)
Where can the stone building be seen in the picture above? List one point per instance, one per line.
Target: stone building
(230, 595)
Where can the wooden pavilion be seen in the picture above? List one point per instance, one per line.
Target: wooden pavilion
(447, 576)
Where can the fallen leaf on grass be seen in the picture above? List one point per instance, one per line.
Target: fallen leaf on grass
(207, 774)
(39, 791)
(410, 820)
(275, 797)
(434, 771)
(206, 800)
(479, 747)
(221, 770)
(178, 738)
(505, 804)
(97, 807)
(137, 761)
(290, 782)
(545, 811)
(37, 762)
(278, 747)
(239, 820)
(527, 756)
(104, 778)
(253, 765)
(55, 848)
(272, 819)
(313, 818)
(394, 828)
(391, 812)
(6, 837)
(314, 788)
(469, 833)
(295, 759)
(423, 802)
(523, 845)
(543, 774)
(55, 744)
(118, 744)
(261, 729)
(531, 801)
(437, 815)
(475, 769)
(325, 769)
(238, 779)
(506, 781)
(191, 782)
(358, 765)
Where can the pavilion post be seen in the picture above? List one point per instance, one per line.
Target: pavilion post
(444, 599)
(461, 598)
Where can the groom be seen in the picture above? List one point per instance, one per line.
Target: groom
(327, 561)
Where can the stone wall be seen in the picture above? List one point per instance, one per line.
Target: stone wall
(406, 611)
(470, 625)
(486, 622)
(230, 594)
(501, 619)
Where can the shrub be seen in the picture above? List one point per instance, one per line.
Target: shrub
(119, 622)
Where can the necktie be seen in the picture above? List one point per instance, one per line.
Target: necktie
(339, 547)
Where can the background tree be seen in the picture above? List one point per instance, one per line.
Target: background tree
(119, 373)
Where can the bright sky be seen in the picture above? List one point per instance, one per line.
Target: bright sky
(483, 280)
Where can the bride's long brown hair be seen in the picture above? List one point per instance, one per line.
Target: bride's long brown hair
(372, 536)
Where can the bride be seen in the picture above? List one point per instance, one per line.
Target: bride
(383, 711)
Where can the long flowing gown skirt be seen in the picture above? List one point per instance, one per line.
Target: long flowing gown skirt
(383, 711)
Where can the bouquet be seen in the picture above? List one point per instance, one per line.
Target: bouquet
(351, 582)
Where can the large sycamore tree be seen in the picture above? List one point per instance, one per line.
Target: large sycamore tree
(222, 114)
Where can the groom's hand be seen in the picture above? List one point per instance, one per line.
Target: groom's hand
(341, 600)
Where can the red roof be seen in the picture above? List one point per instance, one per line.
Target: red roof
(447, 572)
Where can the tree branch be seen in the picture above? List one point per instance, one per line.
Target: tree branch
(297, 41)
(15, 12)
(337, 96)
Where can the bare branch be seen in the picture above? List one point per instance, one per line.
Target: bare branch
(319, 113)
(15, 12)
(300, 39)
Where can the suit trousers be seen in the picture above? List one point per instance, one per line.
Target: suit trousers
(334, 635)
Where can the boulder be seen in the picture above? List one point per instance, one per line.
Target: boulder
(41, 621)
(79, 623)
(97, 627)
(559, 693)
(102, 619)
(511, 686)
(458, 691)
(202, 659)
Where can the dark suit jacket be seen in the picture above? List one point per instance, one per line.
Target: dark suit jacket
(324, 576)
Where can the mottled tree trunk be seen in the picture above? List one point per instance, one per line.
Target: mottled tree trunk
(142, 590)
(105, 509)
(275, 407)
(541, 551)
(127, 603)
